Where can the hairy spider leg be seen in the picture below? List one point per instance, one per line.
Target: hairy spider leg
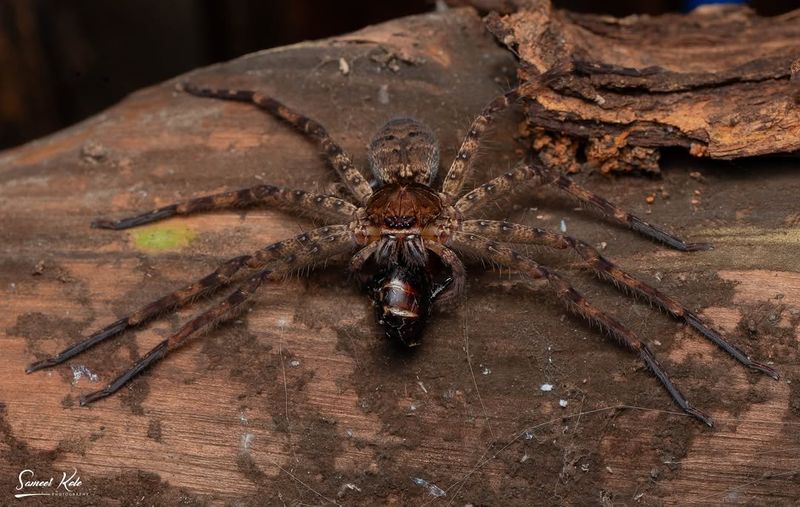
(214, 314)
(221, 276)
(274, 262)
(535, 173)
(454, 180)
(494, 252)
(516, 233)
(338, 158)
(294, 253)
(320, 207)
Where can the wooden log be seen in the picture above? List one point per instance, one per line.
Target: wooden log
(300, 400)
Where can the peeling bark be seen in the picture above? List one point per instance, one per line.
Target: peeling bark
(721, 81)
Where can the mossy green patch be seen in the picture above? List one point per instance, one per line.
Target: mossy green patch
(162, 237)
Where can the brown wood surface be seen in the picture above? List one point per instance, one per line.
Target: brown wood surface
(720, 81)
(299, 401)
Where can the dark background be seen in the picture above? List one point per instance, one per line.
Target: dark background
(64, 60)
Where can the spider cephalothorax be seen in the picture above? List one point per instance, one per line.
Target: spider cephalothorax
(398, 218)
(408, 235)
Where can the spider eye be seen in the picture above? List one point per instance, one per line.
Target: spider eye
(389, 137)
(413, 133)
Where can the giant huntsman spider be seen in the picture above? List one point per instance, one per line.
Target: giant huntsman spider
(405, 238)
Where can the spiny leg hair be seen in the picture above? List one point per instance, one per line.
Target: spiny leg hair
(466, 155)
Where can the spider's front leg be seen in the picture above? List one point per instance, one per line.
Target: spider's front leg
(465, 158)
(496, 253)
(217, 312)
(535, 173)
(607, 270)
(321, 207)
(338, 158)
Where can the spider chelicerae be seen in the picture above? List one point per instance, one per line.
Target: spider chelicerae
(405, 236)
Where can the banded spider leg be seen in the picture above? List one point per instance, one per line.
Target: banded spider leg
(488, 240)
(270, 263)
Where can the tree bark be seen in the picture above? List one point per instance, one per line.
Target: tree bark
(721, 81)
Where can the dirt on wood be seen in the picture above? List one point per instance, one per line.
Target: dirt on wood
(510, 400)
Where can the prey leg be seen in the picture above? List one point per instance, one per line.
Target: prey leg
(450, 292)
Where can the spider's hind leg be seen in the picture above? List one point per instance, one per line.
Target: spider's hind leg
(535, 173)
(454, 179)
(621, 216)
(492, 251)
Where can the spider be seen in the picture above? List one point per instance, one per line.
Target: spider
(407, 236)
